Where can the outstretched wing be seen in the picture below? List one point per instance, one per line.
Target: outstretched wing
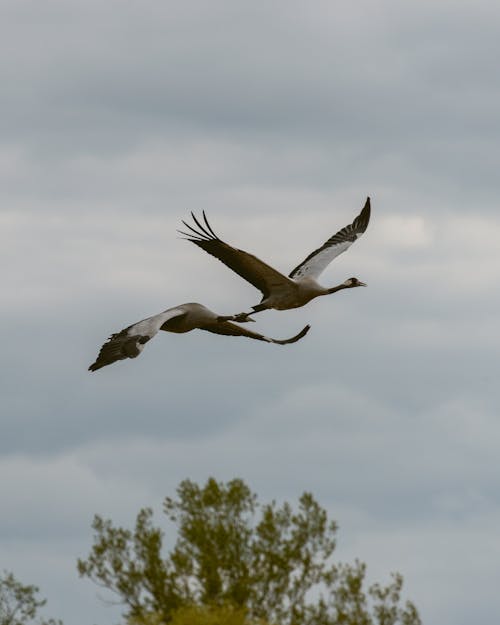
(248, 266)
(119, 346)
(318, 260)
(130, 342)
(231, 329)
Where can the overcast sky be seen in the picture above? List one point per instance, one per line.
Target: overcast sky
(277, 119)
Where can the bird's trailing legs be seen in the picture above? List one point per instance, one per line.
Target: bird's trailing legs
(244, 317)
(239, 318)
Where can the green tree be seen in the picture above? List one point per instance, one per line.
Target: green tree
(202, 615)
(19, 604)
(271, 562)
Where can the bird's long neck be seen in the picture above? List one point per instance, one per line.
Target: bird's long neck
(334, 289)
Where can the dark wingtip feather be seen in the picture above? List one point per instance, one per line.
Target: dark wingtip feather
(367, 206)
(200, 226)
(102, 361)
(190, 237)
(302, 333)
(362, 220)
(209, 226)
(295, 338)
(201, 233)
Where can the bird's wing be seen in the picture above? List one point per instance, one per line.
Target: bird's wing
(246, 265)
(231, 329)
(318, 260)
(129, 342)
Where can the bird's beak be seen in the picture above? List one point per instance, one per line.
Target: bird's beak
(362, 284)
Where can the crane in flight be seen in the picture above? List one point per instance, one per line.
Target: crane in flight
(279, 291)
(130, 342)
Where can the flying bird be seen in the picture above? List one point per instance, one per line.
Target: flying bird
(130, 342)
(279, 291)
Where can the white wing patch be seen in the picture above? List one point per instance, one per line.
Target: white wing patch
(151, 325)
(319, 260)
(316, 264)
(130, 342)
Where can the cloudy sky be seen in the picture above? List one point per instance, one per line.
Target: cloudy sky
(278, 118)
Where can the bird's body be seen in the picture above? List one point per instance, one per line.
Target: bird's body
(279, 291)
(293, 295)
(129, 342)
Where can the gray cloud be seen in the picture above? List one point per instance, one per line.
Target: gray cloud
(386, 96)
(277, 120)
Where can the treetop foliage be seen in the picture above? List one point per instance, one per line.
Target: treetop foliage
(257, 562)
(202, 615)
(19, 604)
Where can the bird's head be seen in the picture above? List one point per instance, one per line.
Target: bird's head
(352, 282)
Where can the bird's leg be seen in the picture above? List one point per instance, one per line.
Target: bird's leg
(239, 318)
(243, 317)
